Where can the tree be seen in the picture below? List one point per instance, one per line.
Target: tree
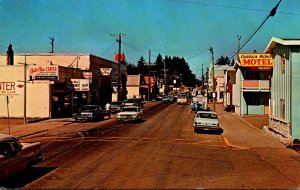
(141, 66)
(232, 62)
(223, 61)
(177, 68)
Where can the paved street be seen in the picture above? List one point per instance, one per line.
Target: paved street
(161, 152)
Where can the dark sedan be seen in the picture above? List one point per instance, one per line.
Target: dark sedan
(116, 107)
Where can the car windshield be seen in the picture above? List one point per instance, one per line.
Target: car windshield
(128, 109)
(130, 101)
(207, 115)
(88, 108)
(116, 103)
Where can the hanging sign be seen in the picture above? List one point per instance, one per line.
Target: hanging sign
(88, 75)
(105, 71)
(120, 57)
(255, 60)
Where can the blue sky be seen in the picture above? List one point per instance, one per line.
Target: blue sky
(184, 28)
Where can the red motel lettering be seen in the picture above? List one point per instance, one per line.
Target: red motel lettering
(257, 62)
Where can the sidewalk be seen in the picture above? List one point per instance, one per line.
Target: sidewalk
(244, 133)
(19, 129)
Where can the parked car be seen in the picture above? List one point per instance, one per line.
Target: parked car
(198, 106)
(116, 107)
(207, 121)
(133, 113)
(134, 102)
(166, 99)
(16, 156)
(182, 99)
(90, 112)
(159, 97)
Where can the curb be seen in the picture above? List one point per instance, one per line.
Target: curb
(228, 145)
(22, 136)
(247, 123)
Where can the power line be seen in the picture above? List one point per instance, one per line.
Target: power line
(271, 13)
(197, 55)
(225, 6)
(108, 49)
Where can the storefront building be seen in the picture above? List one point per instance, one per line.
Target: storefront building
(56, 84)
(229, 79)
(285, 91)
(137, 87)
(219, 78)
(252, 89)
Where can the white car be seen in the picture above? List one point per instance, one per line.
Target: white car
(182, 99)
(16, 157)
(207, 121)
(132, 113)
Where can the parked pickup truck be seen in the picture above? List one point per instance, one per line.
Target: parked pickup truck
(16, 156)
(90, 112)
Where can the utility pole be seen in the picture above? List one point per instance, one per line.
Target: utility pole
(239, 40)
(149, 85)
(213, 77)
(25, 87)
(202, 80)
(206, 80)
(119, 40)
(25, 90)
(52, 44)
(165, 78)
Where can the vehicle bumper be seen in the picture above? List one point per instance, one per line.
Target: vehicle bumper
(127, 118)
(207, 128)
(84, 118)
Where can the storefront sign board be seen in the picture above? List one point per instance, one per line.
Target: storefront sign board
(80, 84)
(43, 72)
(255, 60)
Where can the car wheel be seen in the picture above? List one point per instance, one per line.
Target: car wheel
(221, 131)
(76, 120)
(139, 118)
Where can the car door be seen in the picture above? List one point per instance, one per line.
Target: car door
(10, 163)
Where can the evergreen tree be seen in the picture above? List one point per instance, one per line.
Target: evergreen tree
(141, 66)
(223, 61)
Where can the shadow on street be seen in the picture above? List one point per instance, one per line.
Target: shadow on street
(21, 179)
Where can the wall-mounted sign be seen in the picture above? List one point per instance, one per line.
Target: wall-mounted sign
(79, 84)
(255, 60)
(9, 88)
(43, 72)
(105, 71)
(152, 81)
(88, 75)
